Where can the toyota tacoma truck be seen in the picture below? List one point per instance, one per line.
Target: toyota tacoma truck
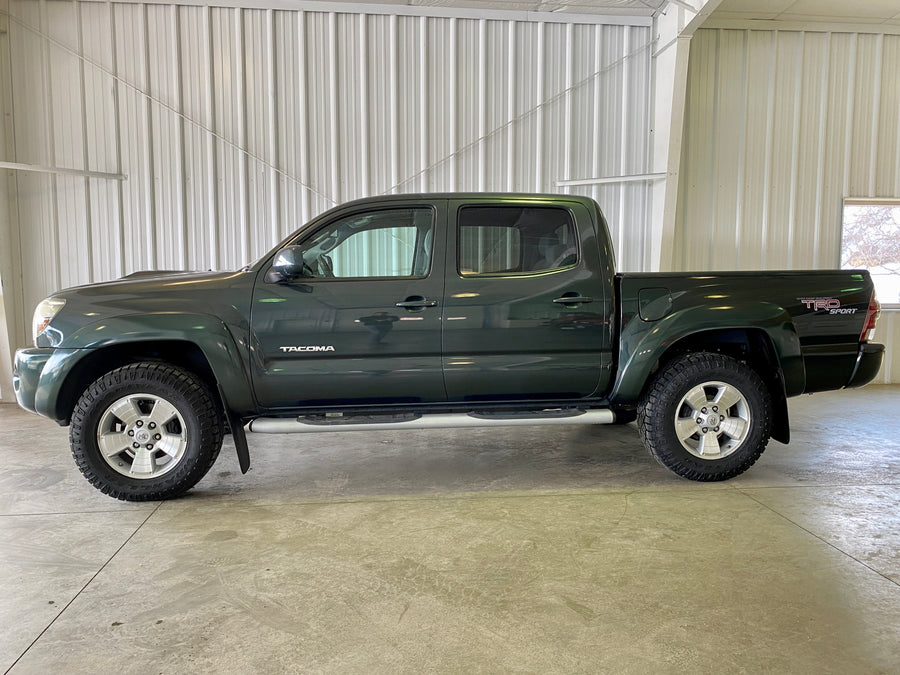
(440, 310)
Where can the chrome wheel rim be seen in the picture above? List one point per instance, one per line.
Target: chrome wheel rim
(142, 436)
(712, 420)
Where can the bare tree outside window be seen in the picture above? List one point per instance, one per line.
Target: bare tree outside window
(871, 240)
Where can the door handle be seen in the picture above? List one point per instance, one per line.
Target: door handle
(416, 302)
(572, 299)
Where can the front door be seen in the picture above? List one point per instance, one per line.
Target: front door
(524, 310)
(360, 324)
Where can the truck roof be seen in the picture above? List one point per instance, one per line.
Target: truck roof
(492, 196)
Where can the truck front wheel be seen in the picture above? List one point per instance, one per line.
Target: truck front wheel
(145, 431)
(707, 417)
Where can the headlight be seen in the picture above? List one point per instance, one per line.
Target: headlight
(44, 313)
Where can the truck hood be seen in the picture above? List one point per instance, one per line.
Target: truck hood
(149, 280)
(224, 295)
(157, 274)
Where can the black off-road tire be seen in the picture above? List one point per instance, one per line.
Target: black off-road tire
(198, 430)
(739, 434)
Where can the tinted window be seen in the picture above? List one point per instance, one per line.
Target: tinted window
(515, 240)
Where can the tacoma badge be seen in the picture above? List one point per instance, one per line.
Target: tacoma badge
(309, 348)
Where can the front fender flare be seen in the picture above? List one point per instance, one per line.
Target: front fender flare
(225, 348)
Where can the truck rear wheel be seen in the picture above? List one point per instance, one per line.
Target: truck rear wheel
(706, 417)
(145, 431)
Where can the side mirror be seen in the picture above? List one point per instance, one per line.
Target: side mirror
(287, 265)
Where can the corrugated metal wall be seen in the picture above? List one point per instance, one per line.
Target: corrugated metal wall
(780, 126)
(235, 126)
(888, 333)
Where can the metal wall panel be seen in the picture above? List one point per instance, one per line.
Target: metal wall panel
(780, 127)
(888, 333)
(235, 126)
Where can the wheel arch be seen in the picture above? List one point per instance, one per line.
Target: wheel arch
(752, 346)
(98, 362)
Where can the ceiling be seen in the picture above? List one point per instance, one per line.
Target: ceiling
(873, 12)
(629, 8)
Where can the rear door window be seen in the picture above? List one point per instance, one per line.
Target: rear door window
(515, 240)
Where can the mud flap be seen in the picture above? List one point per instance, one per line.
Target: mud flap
(237, 434)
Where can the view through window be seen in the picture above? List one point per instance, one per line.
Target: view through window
(871, 240)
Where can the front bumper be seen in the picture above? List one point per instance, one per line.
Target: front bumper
(38, 377)
(868, 363)
(27, 369)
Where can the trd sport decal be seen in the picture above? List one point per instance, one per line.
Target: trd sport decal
(830, 305)
(308, 348)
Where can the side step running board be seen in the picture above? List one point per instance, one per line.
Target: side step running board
(314, 423)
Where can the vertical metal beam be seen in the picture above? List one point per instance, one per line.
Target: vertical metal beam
(673, 158)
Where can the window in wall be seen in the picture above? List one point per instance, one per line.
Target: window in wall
(506, 240)
(871, 240)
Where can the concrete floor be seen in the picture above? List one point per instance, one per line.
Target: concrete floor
(535, 549)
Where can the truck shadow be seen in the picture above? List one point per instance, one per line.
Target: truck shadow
(364, 464)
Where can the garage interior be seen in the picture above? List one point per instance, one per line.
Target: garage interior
(196, 135)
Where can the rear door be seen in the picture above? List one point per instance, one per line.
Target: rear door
(362, 324)
(525, 312)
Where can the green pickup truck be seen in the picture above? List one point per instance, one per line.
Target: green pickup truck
(438, 310)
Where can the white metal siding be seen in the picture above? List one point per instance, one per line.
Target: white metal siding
(235, 126)
(888, 333)
(780, 126)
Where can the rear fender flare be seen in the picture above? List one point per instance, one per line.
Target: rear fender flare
(643, 345)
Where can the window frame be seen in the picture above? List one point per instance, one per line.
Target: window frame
(305, 236)
(573, 224)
